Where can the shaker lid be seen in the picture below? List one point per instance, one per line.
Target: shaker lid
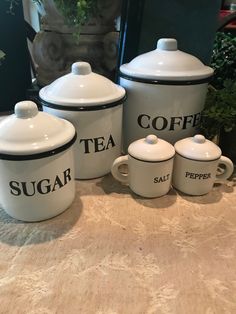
(29, 132)
(81, 87)
(198, 148)
(166, 62)
(151, 148)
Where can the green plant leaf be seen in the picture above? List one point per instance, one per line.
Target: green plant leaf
(76, 12)
(220, 110)
(2, 54)
(223, 59)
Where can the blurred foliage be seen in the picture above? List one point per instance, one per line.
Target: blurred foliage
(220, 107)
(220, 110)
(2, 56)
(223, 59)
(75, 12)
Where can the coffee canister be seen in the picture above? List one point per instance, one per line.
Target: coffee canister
(36, 164)
(166, 90)
(94, 105)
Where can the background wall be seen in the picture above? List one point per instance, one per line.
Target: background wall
(15, 75)
(192, 23)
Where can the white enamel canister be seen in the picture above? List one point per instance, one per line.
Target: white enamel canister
(196, 165)
(166, 91)
(94, 105)
(36, 164)
(150, 163)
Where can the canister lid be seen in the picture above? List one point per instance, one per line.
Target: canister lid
(151, 148)
(29, 132)
(197, 148)
(166, 62)
(81, 87)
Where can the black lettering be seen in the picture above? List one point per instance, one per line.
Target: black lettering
(67, 176)
(43, 186)
(15, 190)
(161, 179)
(47, 187)
(57, 183)
(140, 121)
(173, 122)
(187, 121)
(110, 142)
(164, 123)
(98, 144)
(196, 119)
(86, 144)
(24, 188)
(198, 176)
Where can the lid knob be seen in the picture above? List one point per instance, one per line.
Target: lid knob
(81, 68)
(151, 139)
(26, 109)
(199, 139)
(169, 44)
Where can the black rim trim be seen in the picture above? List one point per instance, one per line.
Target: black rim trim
(83, 108)
(151, 161)
(39, 155)
(166, 82)
(197, 159)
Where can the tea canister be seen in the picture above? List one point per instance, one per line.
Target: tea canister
(150, 163)
(196, 163)
(166, 90)
(94, 105)
(36, 164)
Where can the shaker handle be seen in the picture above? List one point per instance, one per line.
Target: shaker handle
(228, 170)
(122, 160)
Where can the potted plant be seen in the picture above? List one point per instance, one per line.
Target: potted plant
(219, 116)
(75, 12)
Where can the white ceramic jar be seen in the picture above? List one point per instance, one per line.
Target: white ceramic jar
(36, 164)
(166, 90)
(150, 163)
(196, 163)
(94, 105)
